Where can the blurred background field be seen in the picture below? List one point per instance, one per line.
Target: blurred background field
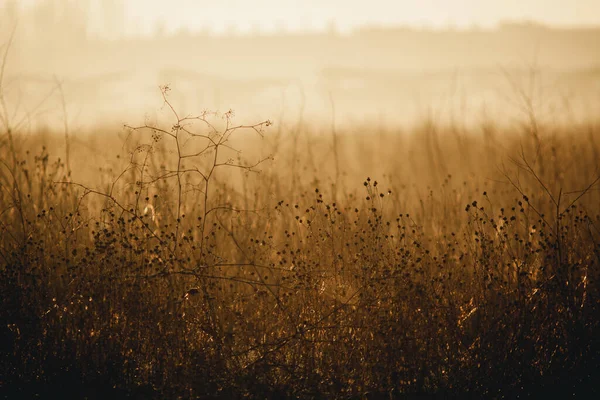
(109, 65)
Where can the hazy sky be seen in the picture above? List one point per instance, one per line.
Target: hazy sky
(268, 15)
(293, 15)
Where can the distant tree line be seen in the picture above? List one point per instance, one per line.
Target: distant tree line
(62, 21)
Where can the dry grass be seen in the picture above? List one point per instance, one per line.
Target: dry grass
(175, 268)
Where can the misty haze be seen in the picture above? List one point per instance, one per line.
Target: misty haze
(287, 199)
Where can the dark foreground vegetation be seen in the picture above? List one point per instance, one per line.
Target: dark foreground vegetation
(178, 270)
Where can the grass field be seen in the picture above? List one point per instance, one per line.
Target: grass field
(200, 258)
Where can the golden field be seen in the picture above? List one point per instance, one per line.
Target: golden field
(209, 257)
